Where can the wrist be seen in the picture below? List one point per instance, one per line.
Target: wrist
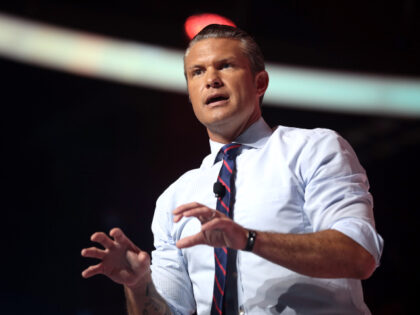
(250, 241)
(139, 286)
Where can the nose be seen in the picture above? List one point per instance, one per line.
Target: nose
(213, 79)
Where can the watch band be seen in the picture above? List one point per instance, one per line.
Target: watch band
(252, 235)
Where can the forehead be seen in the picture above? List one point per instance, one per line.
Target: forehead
(210, 49)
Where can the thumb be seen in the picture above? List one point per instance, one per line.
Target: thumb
(139, 262)
(192, 240)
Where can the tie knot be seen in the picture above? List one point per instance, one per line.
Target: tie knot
(230, 150)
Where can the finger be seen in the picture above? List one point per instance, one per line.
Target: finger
(234, 235)
(138, 262)
(203, 213)
(93, 252)
(92, 271)
(191, 241)
(103, 239)
(186, 206)
(217, 224)
(178, 212)
(121, 238)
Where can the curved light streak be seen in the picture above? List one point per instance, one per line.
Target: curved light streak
(161, 68)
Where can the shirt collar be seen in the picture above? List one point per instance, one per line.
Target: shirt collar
(254, 137)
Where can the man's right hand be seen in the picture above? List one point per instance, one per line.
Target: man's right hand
(121, 260)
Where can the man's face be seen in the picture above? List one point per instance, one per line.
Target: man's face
(223, 91)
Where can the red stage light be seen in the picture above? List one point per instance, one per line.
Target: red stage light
(196, 23)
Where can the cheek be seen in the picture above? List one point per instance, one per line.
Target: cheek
(244, 92)
(195, 107)
(244, 85)
(194, 99)
(192, 93)
(250, 90)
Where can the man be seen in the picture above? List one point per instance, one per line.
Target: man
(301, 205)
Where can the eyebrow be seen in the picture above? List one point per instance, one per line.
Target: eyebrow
(227, 59)
(195, 66)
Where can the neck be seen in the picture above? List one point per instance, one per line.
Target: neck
(227, 135)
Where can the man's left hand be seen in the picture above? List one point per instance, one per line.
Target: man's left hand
(217, 230)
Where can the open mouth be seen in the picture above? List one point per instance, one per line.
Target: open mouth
(216, 98)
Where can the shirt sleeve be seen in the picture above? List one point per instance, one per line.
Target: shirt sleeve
(337, 190)
(169, 270)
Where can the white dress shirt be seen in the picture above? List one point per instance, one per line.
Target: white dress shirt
(289, 180)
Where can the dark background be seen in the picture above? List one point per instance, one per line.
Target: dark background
(81, 155)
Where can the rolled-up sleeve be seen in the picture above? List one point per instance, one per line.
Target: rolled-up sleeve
(169, 271)
(337, 191)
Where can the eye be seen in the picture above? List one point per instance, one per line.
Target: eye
(196, 72)
(225, 65)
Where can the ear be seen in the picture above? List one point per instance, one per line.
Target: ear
(261, 82)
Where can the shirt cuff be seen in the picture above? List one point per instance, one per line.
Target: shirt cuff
(363, 233)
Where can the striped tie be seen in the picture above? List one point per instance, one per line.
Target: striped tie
(224, 205)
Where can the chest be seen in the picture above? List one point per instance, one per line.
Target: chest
(268, 194)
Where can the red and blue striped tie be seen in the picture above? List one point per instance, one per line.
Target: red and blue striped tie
(224, 205)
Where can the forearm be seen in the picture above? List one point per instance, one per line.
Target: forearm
(144, 299)
(326, 254)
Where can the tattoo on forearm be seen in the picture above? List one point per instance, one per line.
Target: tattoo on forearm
(154, 303)
(151, 303)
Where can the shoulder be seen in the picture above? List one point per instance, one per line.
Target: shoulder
(169, 200)
(318, 141)
(311, 148)
(187, 188)
(185, 183)
(297, 141)
(304, 136)
(168, 196)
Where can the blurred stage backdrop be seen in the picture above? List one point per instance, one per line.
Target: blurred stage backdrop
(95, 123)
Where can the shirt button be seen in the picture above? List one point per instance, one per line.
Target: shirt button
(241, 310)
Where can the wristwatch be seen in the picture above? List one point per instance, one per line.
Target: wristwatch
(252, 235)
